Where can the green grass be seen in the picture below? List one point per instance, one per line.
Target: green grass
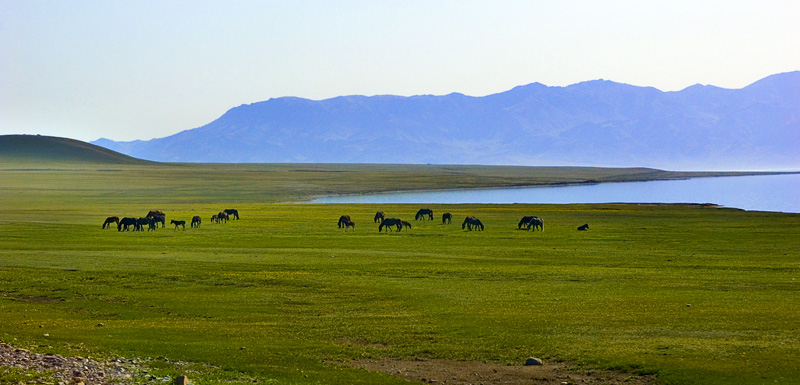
(696, 294)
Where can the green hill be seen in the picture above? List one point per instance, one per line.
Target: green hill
(49, 149)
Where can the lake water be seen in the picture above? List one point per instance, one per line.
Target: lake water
(761, 193)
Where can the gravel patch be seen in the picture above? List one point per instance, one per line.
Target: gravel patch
(77, 370)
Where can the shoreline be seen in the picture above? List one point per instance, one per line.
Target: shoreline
(679, 175)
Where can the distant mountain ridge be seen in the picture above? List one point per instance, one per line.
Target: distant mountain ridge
(599, 123)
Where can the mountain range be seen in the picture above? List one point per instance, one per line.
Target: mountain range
(597, 123)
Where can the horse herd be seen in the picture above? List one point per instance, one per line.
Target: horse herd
(154, 217)
(470, 222)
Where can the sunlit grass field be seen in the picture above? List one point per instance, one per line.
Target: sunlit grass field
(694, 294)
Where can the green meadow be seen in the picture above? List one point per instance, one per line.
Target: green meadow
(692, 294)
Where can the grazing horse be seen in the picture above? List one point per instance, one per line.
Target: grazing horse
(405, 224)
(343, 220)
(125, 222)
(469, 222)
(233, 213)
(219, 217)
(536, 222)
(422, 213)
(379, 217)
(347, 224)
(524, 221)
(447, 218)
(195, 221)
(107, 223)
(583, 227)
(178, 223)
(389, 222)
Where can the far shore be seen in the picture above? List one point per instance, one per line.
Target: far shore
(671, 175)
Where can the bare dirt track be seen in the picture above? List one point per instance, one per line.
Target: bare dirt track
(470, 372)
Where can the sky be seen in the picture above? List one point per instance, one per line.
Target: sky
(127, 70)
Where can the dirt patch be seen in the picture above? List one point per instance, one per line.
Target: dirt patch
(29, 298)
(467, 372)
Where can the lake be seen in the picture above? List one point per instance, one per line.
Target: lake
(779, 193)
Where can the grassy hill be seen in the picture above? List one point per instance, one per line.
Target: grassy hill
(37, 149)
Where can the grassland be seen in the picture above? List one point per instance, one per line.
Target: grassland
(693, 294)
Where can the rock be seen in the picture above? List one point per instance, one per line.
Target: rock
(533, 361)
(181, 380)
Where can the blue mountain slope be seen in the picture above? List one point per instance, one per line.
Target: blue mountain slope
(590, 123)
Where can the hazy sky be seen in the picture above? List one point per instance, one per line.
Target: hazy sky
(129, 70)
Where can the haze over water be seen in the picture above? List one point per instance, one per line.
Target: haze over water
(778, 193)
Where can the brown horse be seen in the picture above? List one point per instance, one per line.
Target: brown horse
(349, 223)
(405, 224)
(196, 221)
(222, 216)
(379, 217)
(109, 220)
(343, 220)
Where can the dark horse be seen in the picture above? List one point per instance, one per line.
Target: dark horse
(389, 222)
(233, 213)
(221, 216)
(107, 223)
(447, 218)
(422, 213)
(157, 214)
(178, 223)
(141, 222)
(348, 223)
(583, 227)
(125, 222)
(524, 221)
(379, 217)
(343, 220)
(159, 218)
(196, 221)
(470, 222)
(536, 222)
